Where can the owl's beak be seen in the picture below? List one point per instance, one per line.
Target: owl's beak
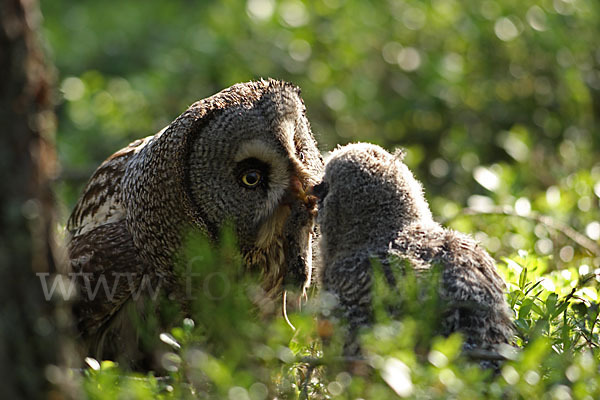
(302, 193)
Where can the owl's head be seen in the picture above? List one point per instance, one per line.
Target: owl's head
(366, 197)
(251, 160)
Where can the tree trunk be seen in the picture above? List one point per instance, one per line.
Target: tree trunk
(29, 334)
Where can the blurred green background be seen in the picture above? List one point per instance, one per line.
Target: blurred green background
(496, 102)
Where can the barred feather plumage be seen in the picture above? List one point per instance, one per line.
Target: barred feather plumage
(371, 207)
(136, 208)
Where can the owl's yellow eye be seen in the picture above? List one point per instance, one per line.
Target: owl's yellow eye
(251, 178)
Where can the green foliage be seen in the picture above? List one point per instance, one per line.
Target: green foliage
(232, 349)
(497, 104)
(509, 86)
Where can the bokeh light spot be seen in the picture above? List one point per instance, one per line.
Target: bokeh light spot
(593, 230)
(537, 18)
(409, 59)
(486, 178)
(397, 375)
(260, 9)
(72, 88)
(566, 253)
(505, 29)
(294, 14)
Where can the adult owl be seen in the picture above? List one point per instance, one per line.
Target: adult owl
(244, 155)
(372, 207)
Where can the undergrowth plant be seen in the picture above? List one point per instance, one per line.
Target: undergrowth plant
(234, 347)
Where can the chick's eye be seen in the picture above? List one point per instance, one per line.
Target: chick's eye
(251, 178)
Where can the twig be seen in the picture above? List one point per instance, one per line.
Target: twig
(587, 339)
(566, 230)
(304, 393)
(484, 355)
(318, 361)
(164, 379)
(312, 361)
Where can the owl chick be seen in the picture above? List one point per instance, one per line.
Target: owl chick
(372, 207)
(246, 156)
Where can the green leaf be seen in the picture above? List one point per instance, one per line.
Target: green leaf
(523, 278)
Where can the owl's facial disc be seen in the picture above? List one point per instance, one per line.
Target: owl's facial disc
(257, 158)
(284, 213)
(253, 164)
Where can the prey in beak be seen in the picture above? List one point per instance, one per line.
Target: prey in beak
(300, 191)
(299, 235)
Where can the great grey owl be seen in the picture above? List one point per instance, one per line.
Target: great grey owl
(245, 155)
(372, 208)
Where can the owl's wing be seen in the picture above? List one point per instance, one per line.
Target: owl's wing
(472, 266)
(104, 260)
(101, 201)
(475, 291)
(471, 286)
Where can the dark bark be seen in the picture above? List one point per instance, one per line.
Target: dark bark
(29, 337)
